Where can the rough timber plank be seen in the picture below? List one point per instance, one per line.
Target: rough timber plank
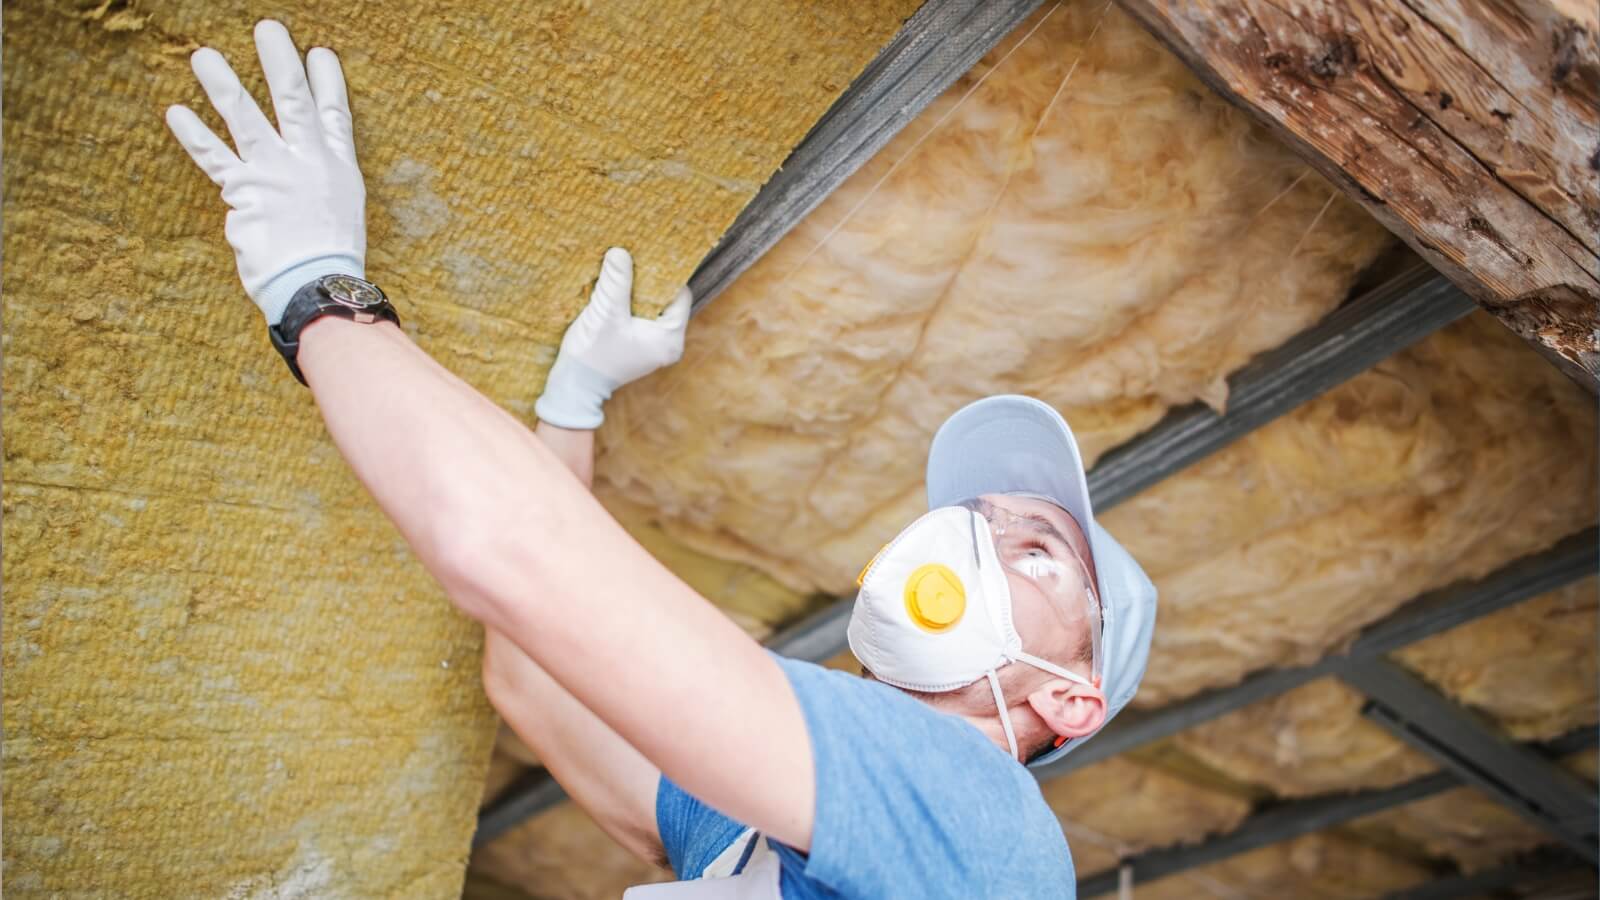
(1470, 130)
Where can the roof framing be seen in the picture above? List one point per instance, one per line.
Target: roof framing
(1531, 785)
(1538, 865)
(1287, 820)
(941, 41)
(1402, 310)
(1466, 128)
(944, 39)
(1428, 614)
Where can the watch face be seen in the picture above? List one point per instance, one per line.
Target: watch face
(347, 290)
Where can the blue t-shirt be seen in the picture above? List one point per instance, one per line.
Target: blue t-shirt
(910, 803)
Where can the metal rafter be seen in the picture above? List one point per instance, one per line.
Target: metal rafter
(941, 41)
(1351, 339)
(1367, 329)
(1431, 613)
(1287, 820)
(1535, 866)
(1531, 785)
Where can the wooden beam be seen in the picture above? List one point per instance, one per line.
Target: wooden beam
(1471, 128)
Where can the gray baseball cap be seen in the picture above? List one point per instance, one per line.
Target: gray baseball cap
(1010, 444)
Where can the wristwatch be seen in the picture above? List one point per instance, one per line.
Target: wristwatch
(345, 296)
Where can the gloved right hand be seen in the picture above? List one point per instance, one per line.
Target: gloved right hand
(297, 205)
(607, 346)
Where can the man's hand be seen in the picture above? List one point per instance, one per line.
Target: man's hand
(297, 206)
(607, 347)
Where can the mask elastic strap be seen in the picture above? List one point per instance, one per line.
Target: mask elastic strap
(1048, 666)
(1005, 716)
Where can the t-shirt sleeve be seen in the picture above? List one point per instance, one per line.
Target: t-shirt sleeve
(692, 833)
(908, 796)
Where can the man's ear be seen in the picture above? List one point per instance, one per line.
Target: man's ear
(1068, 708)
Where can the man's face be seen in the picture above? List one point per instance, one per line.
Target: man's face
(1054, 623)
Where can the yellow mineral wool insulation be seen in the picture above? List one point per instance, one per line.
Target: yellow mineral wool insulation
(1312, 867)
(223, 671)
(1115, 809)
(1531, 668)
(1465, 825)
(561, 854)
(1115, 242)
(1446, 461)
(1311, 740)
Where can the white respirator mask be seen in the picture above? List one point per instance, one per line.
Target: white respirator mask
(933, 613)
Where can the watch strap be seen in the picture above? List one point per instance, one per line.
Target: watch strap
(313, 301)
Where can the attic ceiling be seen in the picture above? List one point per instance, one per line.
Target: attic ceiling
(1079, 218)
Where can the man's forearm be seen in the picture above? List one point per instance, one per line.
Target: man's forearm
(440, 458)
(519, 544)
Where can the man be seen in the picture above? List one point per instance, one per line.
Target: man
(1005, 626)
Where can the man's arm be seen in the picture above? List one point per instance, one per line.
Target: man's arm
(513, 536)
(519, 544)
(613, 782)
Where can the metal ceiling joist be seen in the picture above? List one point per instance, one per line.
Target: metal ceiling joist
(1431, 613)
(1386, 319)
(1392, 316)
(1348, 341)
(1533, 867)
(941, 41)
(1531, 785)
(1288, 820)
(533, 793)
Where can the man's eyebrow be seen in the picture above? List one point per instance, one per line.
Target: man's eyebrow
(1048, 525)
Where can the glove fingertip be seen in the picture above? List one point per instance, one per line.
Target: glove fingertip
(676, 313)
(618, 263)
(270, 29)
(203, 59)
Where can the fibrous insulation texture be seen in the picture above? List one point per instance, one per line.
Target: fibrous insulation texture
(1078, 218)
(1529, 669)
(224, 673)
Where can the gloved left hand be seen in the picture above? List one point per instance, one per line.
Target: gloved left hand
(607, 346)
(297, 206)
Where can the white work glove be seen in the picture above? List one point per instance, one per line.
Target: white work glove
(297, 207)
(607, 346)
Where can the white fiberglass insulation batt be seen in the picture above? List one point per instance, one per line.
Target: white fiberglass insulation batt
(1115, 243)
(1529, 668)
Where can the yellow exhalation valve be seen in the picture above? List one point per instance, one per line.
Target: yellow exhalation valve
(935, 597)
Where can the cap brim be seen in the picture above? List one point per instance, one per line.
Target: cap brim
(1008, 444)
